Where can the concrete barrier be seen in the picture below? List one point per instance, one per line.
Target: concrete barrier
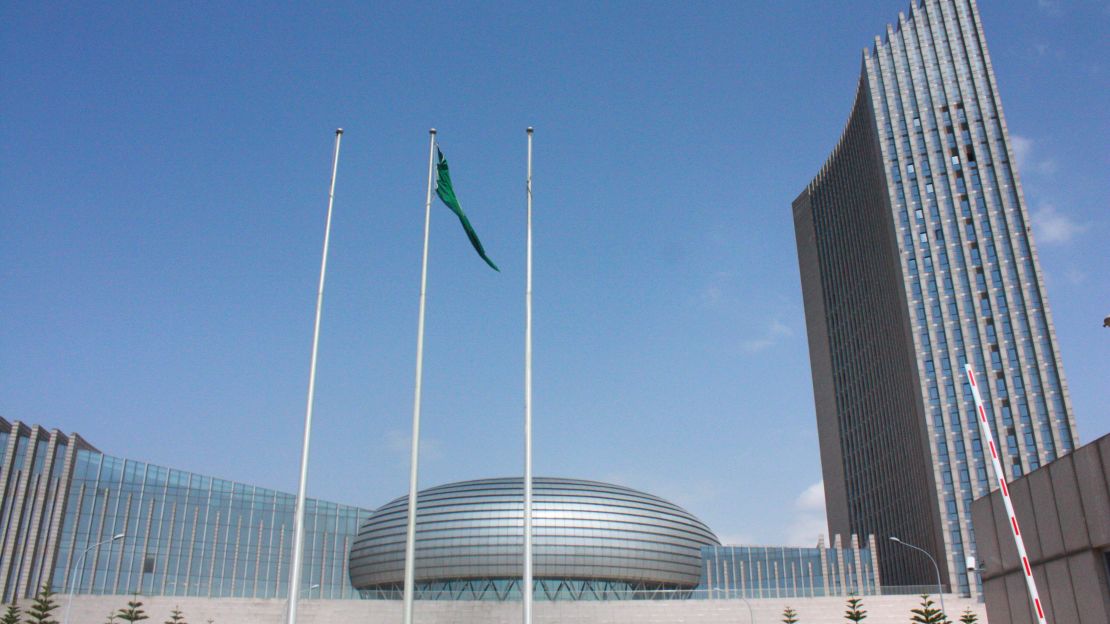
(880, 610)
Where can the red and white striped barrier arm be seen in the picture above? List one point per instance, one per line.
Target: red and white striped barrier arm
(985, 431)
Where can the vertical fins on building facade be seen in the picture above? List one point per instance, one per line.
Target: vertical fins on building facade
(916, 256)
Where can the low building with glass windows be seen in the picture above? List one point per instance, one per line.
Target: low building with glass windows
(90, 524)
(63, 503)
(792, 571)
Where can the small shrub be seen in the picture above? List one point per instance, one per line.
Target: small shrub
(855, 612)
(11, 615)
(789, 615)
(43, 605)
(134, 611)
(927, 613)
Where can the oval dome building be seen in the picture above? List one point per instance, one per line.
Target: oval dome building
(591, 540)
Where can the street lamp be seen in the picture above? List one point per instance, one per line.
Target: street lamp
(77, 571)
(751, 616)
(285, 609)
(940, 589)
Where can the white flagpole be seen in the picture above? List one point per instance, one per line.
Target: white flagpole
(410, 538)
(298, 517)
(526, 584)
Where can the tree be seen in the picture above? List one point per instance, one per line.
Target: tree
(855, 612)
(927, 613)
(11, 615)
(968, 617)
(176, 617)
(789, 615)
(134, 611)
(111, 618)
(39, 613)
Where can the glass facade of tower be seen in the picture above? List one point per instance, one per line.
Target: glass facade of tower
(950, 223)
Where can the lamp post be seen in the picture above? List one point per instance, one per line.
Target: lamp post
(751, 616)
(940, 589)
(285, 609)
(77, 571)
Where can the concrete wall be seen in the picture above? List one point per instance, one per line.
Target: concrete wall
(880, 609)
(1063, 510)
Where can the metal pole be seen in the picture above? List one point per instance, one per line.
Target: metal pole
(410, 538)
(940, 588)
(77, 570)
(985, 431)
(526, 585)
(751, 616)
(298, 516)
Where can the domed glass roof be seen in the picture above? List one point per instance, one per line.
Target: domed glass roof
(583, 531)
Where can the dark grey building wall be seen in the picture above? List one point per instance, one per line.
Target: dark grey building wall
(1063, 510)
(820, 362)
(869, 413)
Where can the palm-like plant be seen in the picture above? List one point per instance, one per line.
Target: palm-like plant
(927, 613)
(11, 615)
(855, 612)
(134, 611)
(43, 604)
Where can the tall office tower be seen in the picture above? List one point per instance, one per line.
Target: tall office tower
(916, 256)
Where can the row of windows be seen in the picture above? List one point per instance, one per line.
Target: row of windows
(972, 176)
(744, 568)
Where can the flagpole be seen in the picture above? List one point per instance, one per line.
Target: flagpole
(298, 517)
(410, 538)
(526, 584)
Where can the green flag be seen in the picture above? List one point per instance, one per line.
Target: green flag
(446, 194)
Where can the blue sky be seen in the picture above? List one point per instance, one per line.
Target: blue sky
(163, 181)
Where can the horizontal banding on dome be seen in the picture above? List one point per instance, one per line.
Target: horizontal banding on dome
(582, 530)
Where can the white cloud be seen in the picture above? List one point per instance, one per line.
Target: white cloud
(716, 292)
(1075, 276)
(1023, 148)
(401, 444)
(736, 539)
(1053, 227)
(1027, 158)
(804, 531)
(809, 519)
(775, 332)
(812, 499)
(711, 295)
(1047, 166)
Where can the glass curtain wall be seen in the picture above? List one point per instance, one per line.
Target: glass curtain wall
(786, 572)
(192, 535)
